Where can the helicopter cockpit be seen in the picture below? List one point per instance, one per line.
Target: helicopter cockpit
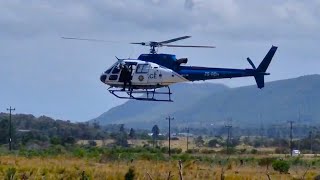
(115, 72)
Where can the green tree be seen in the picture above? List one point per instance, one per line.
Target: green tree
(155, 133)
(214, 142)
(4, 129)
(122, 128)
(199, 141)
(132, 133)
(281, 166)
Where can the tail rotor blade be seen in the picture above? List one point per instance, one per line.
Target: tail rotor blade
(251, 63)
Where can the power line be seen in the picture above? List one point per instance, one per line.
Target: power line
(10, 128)
(169, 118)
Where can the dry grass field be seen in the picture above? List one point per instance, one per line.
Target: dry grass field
(62, 167)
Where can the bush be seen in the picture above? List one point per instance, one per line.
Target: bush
(192, 151)
(55, 140)
(266, 161)
(92, 143)
(183, 157)
(130, 174)
(10, 173)
(176, 150)
(317, 177)
(230, 150)
(281, 166)
(164, 149)
(281, 150)
(254, 151)
(242, 151)
(207, 151)
(213, 143)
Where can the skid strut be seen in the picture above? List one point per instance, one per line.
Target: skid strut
(144, 95)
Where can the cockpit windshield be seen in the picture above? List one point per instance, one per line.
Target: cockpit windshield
(109, 70)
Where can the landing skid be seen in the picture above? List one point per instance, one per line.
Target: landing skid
(147, 95)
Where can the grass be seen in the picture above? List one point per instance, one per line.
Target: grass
(66, 167)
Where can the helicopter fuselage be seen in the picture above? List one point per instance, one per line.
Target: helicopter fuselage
(144, 75)
(151, 71)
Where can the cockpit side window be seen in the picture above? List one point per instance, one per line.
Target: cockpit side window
(143, 68)
(116, 70)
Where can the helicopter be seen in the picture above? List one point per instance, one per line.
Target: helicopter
(150, 75)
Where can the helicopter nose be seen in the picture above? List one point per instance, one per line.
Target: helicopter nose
(103, 78)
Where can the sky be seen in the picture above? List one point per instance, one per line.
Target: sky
(42, 74)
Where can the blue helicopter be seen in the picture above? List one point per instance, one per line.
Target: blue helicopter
(149, 76)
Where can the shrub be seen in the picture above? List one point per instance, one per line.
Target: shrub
(164, 149)
(55, 140)
(266, 161)
(230, 150)
(176, 150)
(213, 143)
(207, 151)
(192, 151)
(242, 151)
(130, 174)
(183, 157)
(317, 177)
(10, 173)
(79, 152)
(254, 151)
(281, 150)
(92, 143)
(281, 166)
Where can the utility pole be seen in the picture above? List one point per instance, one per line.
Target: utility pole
(10, 128)
(187, 138)
(311, 139)
(261, 129)
(169, 118)
(228, 126)
(291, 143)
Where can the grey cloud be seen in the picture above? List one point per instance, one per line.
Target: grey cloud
(35, 62)
(237, 19)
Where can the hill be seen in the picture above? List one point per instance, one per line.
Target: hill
(201, 104)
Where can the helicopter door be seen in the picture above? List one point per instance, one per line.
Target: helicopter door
(141, 74)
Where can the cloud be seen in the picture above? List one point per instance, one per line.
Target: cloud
(36, 62)
(227, 19)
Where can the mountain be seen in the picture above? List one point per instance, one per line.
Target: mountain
(144, 113)
(201, 104)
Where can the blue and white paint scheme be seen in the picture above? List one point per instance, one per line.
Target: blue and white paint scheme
(153, 71)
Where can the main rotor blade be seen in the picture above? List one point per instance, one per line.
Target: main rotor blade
(142, 43)
(175, 39)
(85, 39)
(168, 45)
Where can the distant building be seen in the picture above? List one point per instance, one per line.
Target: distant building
(296, 152)
(185, 134)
